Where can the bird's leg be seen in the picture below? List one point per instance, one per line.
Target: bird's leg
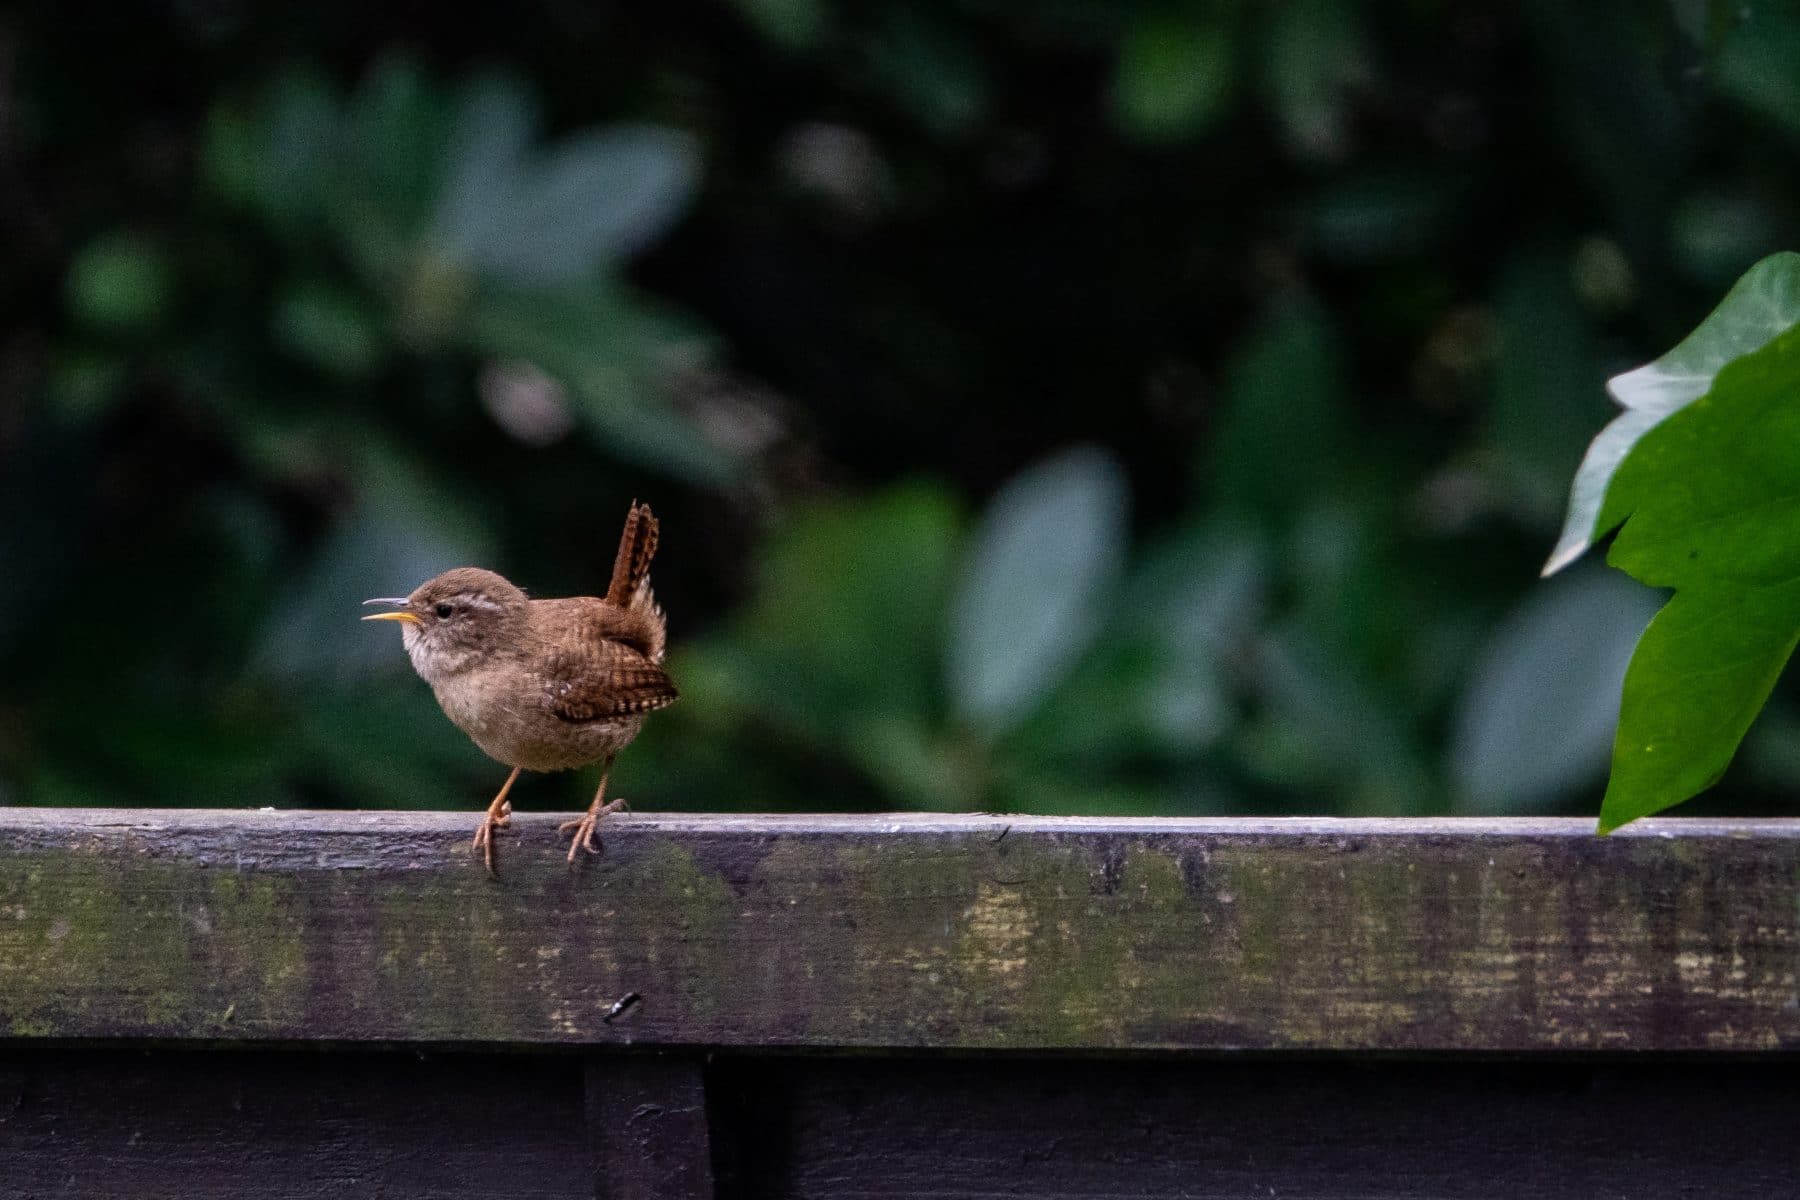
(499, 816)
(585, 837)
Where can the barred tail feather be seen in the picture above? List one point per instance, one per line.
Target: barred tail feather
(630, 586)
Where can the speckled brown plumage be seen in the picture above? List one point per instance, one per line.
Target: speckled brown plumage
(543, 685)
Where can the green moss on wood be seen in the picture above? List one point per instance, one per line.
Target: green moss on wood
(145, 943)
(956, 938)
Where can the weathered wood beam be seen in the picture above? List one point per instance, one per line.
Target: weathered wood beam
(957, 932)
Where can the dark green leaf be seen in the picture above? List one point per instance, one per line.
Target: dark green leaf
(1282, 425)
(1765, 303)
(1707, 501)
(848, 619)
(86, 384)
(119, 282)
(1696, 681)
(277, 158)
(395, 135)
(1174, 77)
(1708, 496)
(330, 327)
(1755, 64)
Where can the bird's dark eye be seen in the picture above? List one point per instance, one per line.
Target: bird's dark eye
(444, 610)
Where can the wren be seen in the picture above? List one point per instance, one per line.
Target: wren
(543, 685)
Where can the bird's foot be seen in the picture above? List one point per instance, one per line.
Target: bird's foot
(586, 826)
(498, 817)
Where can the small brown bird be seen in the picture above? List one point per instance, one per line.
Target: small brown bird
(543, 685)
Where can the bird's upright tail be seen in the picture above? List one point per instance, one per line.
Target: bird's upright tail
(630, 586)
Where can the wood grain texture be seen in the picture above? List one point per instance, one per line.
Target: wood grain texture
(1232, 1130)
(976, 933)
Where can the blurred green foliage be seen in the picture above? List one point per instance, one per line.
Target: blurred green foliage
(1129, 407)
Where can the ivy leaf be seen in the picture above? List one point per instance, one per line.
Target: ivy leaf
(1710, 500)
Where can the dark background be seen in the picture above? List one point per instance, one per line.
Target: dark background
(1118, 407)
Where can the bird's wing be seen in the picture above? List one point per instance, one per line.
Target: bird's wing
(583, 622)
(603, 679)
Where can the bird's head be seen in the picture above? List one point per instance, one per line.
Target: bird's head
(456, 621)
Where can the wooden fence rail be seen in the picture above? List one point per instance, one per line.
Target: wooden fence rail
(865, 1006)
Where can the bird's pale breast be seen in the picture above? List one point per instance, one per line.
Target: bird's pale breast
(512, 724)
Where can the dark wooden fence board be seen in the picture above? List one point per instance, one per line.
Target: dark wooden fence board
(971, 933)
(274, 1126)
(862, 1130)
(648, 1121)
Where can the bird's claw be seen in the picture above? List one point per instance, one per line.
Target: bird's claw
(484, 834)
(587, 827)
(586, 834)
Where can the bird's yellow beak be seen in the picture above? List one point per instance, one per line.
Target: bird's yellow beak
(400, 601)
